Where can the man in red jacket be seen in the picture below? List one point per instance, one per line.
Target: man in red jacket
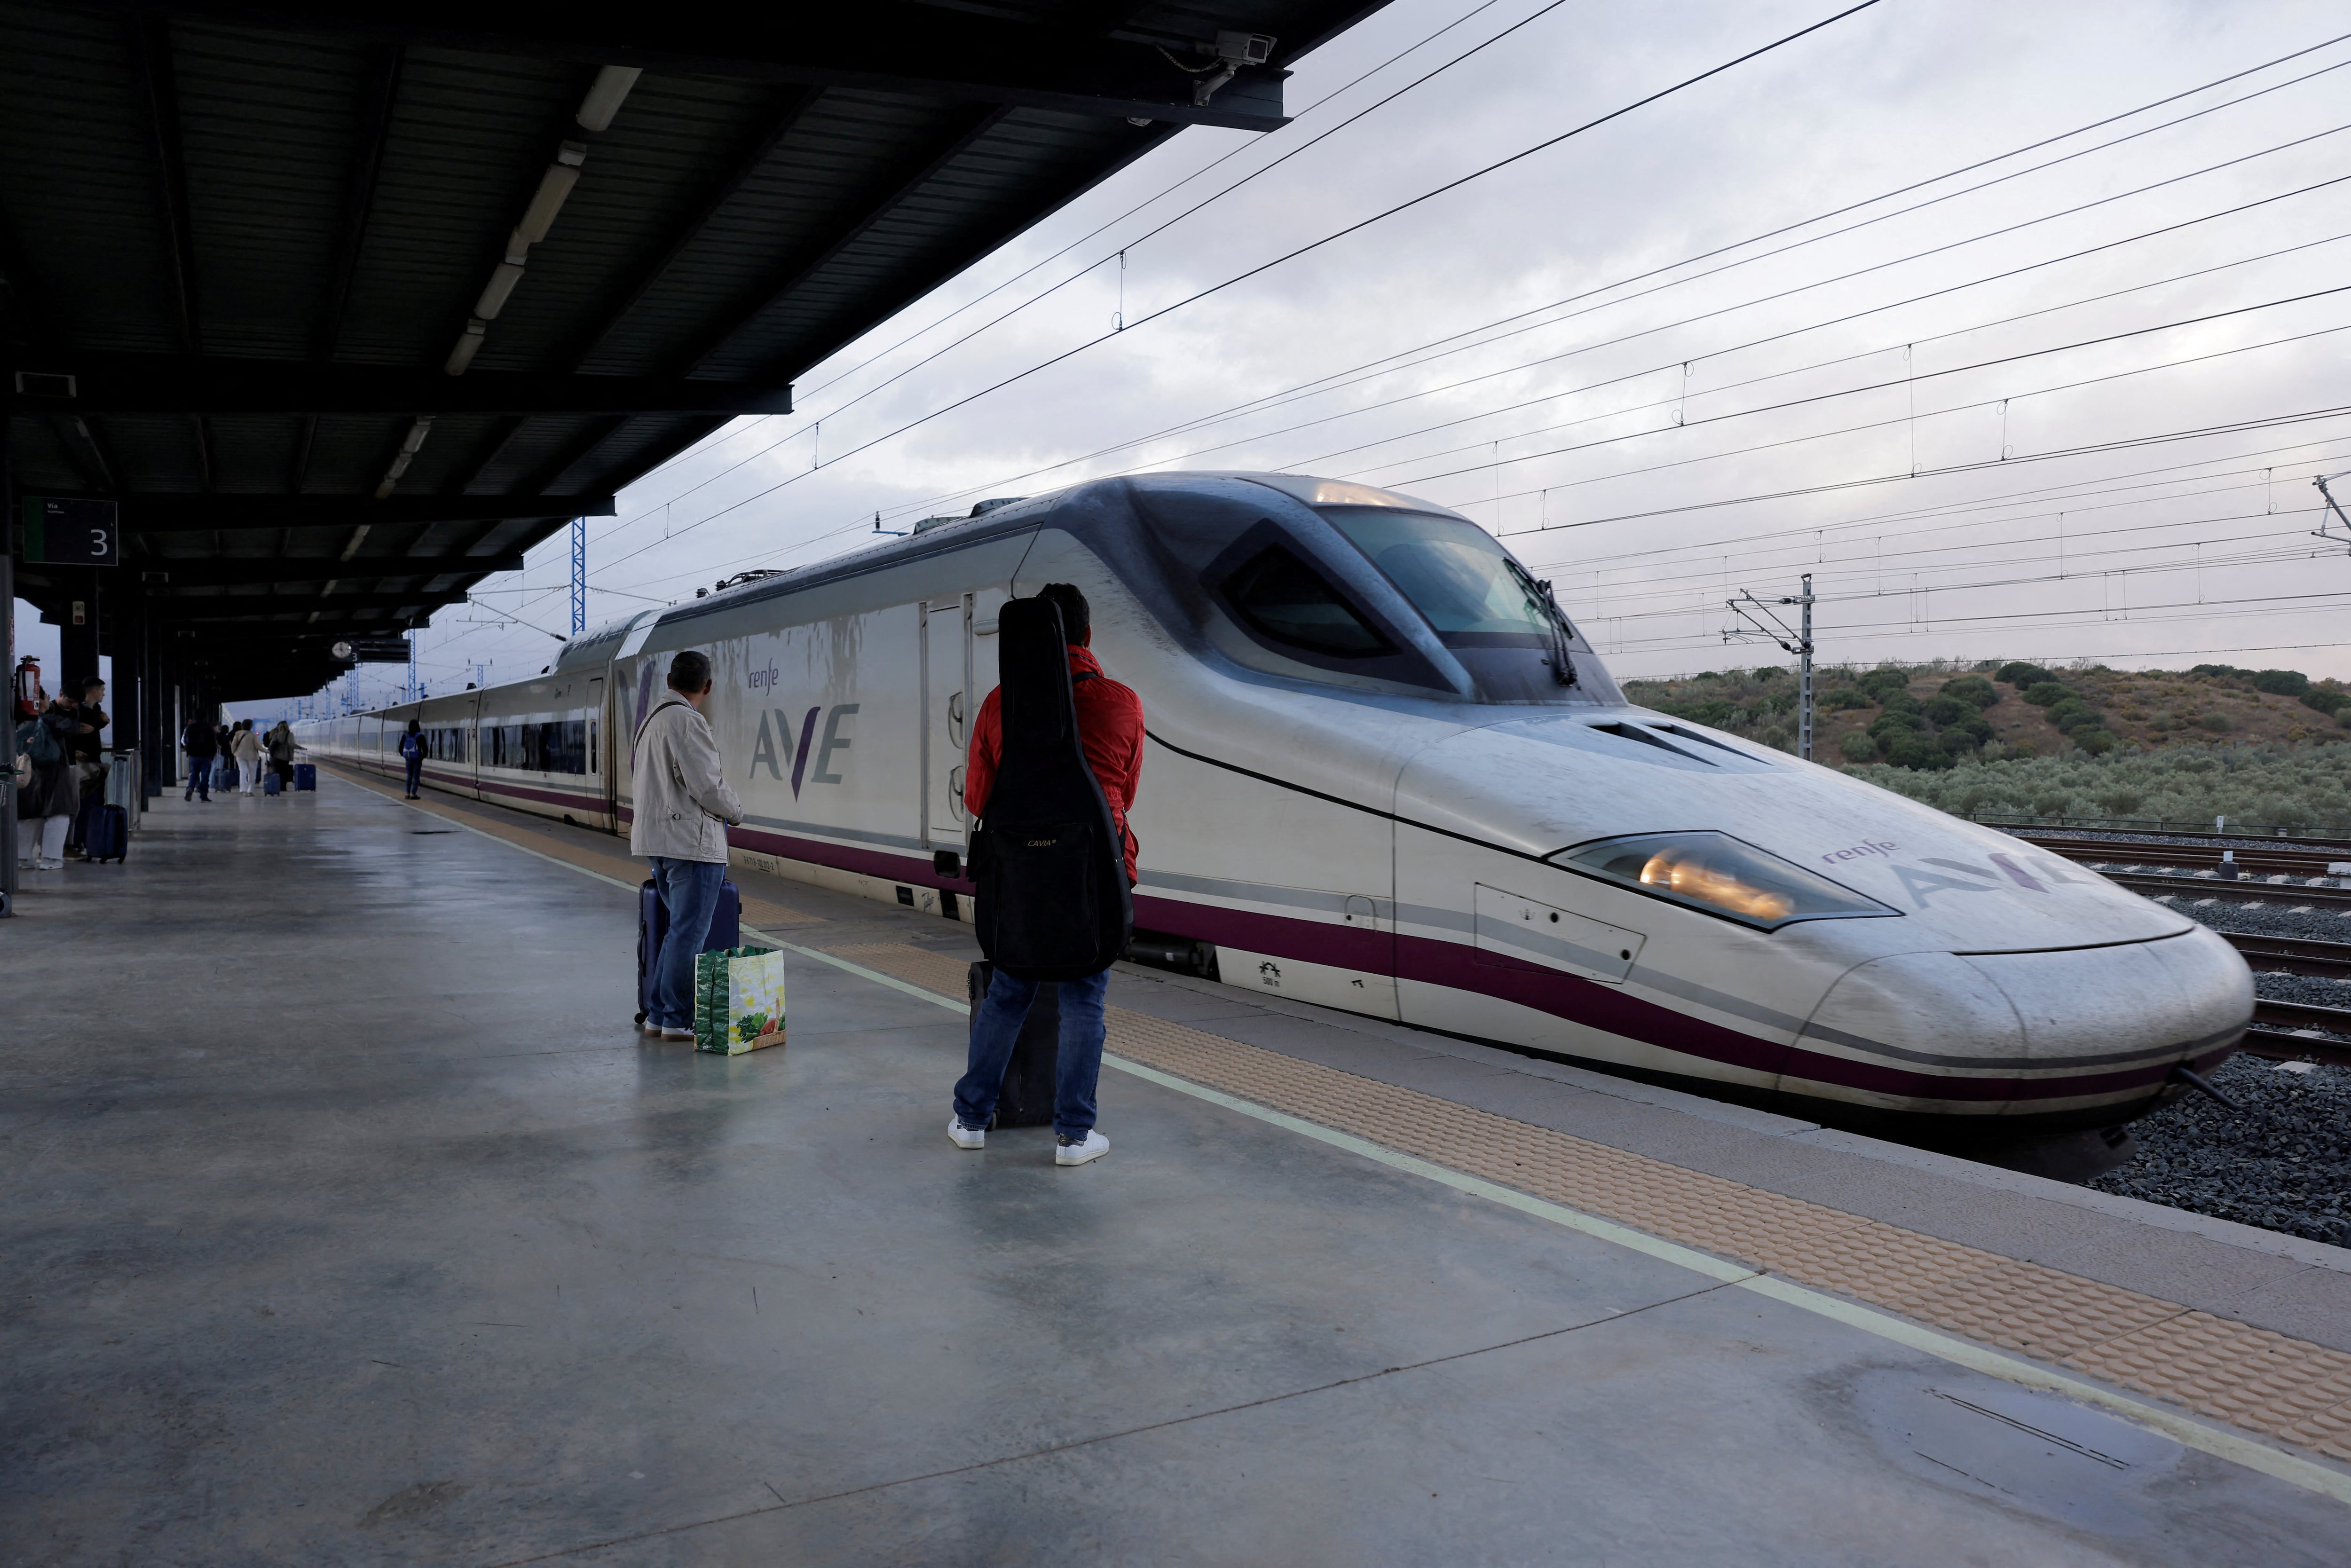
(1110, 728)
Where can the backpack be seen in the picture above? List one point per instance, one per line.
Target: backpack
(39, 742)
(1049, 860)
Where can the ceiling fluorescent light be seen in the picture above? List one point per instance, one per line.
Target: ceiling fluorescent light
(469, 343)
(503, 278)
(604, 99)
(553, 187)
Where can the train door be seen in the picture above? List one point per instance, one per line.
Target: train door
(947, 705)
(598, 775)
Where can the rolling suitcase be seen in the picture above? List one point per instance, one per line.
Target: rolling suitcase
(306, 776)
(271, 784)
(105, 832)
(652, 925)
(1026, 1099)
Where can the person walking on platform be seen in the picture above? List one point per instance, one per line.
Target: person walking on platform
(50, 797)
(1110, 730)
(202, 744)
(225, 757)
(684, 808)
(280, 745)
(247, 749)
(411, 751)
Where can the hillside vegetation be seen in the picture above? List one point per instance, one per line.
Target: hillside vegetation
(2257, 746)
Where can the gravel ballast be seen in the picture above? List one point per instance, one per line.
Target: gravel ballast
(2281, 1161)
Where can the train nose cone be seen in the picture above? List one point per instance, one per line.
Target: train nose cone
(2079, 1035)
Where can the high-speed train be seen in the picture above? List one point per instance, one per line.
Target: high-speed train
(1384, 773)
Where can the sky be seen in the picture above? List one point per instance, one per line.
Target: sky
(1927, 303)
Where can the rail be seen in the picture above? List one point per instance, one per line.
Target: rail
(2251, 833)
(2123, 851)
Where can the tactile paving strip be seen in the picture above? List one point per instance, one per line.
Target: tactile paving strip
(614, 864)
(2229, 1370)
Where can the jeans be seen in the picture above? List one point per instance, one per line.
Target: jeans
(200, 777)
(1078, 1063)
(415, 772)
(689, 895)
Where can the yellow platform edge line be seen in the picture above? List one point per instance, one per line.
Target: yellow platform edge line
(2222, 1443)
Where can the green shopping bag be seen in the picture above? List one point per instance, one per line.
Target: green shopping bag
(739, 1000)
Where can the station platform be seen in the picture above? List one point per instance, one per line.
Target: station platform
(349, 1220)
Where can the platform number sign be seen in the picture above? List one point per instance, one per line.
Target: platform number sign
(62, 532)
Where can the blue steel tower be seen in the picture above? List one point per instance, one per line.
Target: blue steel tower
(578, 575)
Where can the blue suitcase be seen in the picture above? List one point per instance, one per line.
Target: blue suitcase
(652, 925)
(105, 832)
(271, 784)
(306, 776)
(1032, 1077)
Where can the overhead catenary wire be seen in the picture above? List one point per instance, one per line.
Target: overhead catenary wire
(598, 589)
(1909, 381)
(1148, 201)
(2122, 444)
(1331, 238)
(1386, 365)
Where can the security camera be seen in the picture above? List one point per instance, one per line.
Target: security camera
(1244, 49)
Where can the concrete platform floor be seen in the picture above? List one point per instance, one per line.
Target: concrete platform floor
(349, 1222)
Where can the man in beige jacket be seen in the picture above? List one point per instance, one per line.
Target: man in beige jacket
(684, 809)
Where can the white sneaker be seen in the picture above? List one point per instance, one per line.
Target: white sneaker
(964, 1137)
(49, 865)
(1094, 1148)
(670, 1031)
(649, 1026)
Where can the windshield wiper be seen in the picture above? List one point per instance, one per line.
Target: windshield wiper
(1545, 604)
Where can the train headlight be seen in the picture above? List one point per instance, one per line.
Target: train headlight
(1715, 872)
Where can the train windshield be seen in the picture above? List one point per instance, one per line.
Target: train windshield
(1454, 572)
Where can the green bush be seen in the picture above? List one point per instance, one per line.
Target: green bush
(1768, 672)
(2324, 699)
(1918, 753)
(1956, 741)
(1859, 748)
(1902, 702)
(1948, 710)
(2020, 675)
(2097, 742)
(2223, 672)
(2218, 723)
(2285, 784)
(1890, 724)
(2042, 694)
(2280, 683)
(1846, 698)
(1974, 690)
(1878, 683)
(1716, 713)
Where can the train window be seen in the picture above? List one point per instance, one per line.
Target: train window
(1454, 572)
(1289, 602)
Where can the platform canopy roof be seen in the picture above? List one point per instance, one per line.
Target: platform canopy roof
(350, 305)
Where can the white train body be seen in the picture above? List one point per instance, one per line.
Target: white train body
(1402, 825)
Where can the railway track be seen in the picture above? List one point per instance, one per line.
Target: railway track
(2279, 890)
(2293, 955)
(2292, 1030)
(2252, 860)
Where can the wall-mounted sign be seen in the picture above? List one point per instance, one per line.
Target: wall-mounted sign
(376, 650)
(71, 532)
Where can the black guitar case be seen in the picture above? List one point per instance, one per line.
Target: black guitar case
(1053, 900)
